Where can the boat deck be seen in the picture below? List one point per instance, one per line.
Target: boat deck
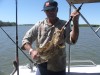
(89, 70)
(82, 73)
(75, 70)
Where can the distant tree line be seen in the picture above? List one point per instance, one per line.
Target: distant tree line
(7, 23)
(14, 24)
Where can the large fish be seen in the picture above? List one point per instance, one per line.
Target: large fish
(50, 48)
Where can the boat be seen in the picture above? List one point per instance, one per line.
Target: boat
(87, 67)
(84, 67)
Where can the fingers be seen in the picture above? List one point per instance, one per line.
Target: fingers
(34, 54)
(75, 13)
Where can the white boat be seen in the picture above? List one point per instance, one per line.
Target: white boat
(83, 69)
(87, 67)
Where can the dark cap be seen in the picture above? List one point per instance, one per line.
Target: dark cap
(50, 5)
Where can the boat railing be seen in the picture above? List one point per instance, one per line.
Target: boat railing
(82, 63)
(97, 29)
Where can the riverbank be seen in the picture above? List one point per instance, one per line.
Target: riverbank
(14, 24)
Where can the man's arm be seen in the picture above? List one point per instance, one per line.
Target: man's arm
(75, 29)
(27, 46)
(28, 39)
(32, 52)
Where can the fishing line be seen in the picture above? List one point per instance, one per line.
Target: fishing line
(35, 64)
(15, 44)
(86, 21)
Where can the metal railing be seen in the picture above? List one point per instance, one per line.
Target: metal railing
(97, 29)
(82, 63)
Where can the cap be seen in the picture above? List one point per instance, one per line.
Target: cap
(50, 5)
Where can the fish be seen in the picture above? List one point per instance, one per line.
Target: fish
(50, 49)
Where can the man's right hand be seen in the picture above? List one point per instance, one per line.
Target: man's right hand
(34, 54)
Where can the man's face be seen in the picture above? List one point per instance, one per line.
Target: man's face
(51, 13)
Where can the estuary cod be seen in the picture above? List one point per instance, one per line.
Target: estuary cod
(50, 49)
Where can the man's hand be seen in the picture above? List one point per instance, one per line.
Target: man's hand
(75, 29)
(34, 54)
(75, 15)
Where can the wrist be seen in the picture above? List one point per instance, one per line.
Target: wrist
(30, 51)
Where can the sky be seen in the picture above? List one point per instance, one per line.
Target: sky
(29, 11)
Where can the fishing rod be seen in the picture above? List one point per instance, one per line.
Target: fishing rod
(70, 4)
(14, 62)
(17, 47)
(71, 17)
(67, 23)
(15, 43)
(17, 53)
(85, 20)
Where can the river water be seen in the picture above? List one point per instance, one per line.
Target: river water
(86, 48)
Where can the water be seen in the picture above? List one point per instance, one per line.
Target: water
(86, 48)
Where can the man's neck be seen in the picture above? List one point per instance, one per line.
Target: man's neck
(52, 21)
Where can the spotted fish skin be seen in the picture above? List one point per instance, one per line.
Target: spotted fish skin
(50, 48)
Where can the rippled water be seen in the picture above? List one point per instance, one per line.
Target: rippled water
(86, 48)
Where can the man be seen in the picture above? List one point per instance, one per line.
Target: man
(43, 31)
